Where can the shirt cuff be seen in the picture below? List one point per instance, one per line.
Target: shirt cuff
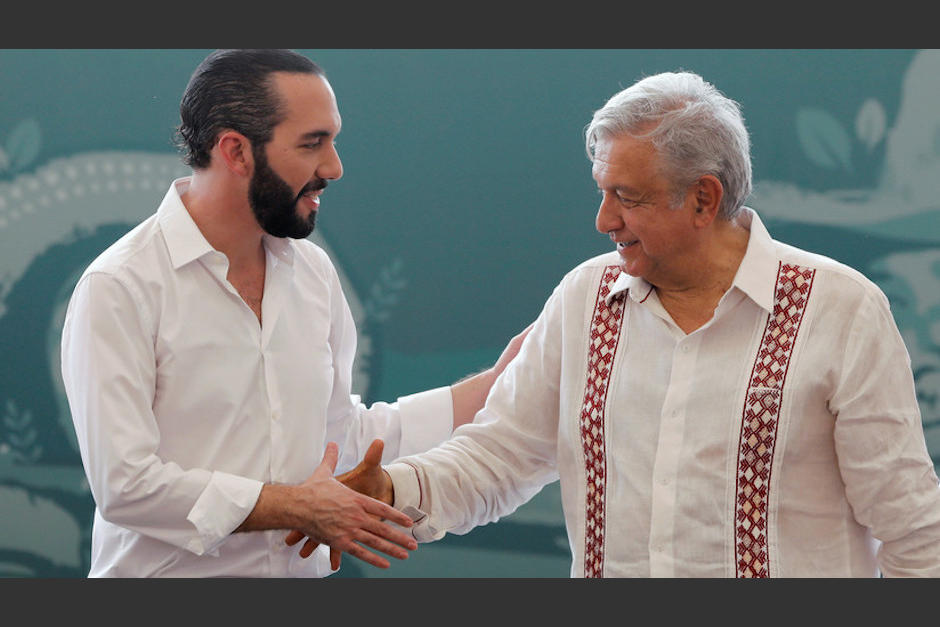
(405, 484)
(427, 419)
(222, 506)
(408, 500)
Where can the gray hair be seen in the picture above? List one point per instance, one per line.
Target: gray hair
(695, 129)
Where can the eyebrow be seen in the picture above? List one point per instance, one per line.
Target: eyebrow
(625, 189)
(315, 135)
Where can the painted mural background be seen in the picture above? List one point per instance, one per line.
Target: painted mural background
(467, 195)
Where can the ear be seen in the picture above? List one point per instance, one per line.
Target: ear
(707, 194)
(234, 150)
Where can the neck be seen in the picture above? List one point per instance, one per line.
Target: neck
(221, 211)
(691, 299)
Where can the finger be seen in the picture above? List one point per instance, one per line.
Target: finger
(380, 510)
(379, 544)
(308, 548)
(330, 457)
(373, 456)
(359, 552)
(294, 537)
(335, 558)
(381, 530)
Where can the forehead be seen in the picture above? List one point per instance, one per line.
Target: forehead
(309, 104)
(621, 156)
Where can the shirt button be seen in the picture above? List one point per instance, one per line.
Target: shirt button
(275, 415)
(685, 348)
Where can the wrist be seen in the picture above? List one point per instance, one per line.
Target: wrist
(274, 509)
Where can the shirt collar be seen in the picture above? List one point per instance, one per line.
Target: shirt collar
(280, 247)
(186, 242)
(635, 287)
(756, 276)
(757, 273)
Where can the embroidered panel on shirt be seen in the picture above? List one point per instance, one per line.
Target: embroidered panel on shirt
(604, 335)
(760, 419)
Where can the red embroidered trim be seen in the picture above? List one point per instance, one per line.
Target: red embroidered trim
(760, 419)
(605, 332)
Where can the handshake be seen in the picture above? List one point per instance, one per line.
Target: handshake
(351, 510)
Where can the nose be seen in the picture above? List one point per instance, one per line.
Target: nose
(607, 217)
(331, 167)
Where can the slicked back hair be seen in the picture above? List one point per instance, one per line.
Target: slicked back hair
(232, 90)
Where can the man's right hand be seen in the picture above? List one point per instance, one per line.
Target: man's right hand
(371, 480)
(326, 511)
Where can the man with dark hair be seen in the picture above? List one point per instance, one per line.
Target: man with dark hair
(715, 403)
(207, 354)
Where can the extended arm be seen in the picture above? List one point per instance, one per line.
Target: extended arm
(469, 394)
(514, 443)
(414, 423)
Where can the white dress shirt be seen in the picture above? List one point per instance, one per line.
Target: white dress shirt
(782, 438)
(184, 404)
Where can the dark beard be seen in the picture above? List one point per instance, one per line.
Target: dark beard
(274, 203)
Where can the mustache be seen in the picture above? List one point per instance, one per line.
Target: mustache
(312, 187)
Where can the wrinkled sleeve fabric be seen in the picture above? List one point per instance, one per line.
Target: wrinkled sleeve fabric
(109, 373)
(412, 424)
(491, 466)
(889, 477)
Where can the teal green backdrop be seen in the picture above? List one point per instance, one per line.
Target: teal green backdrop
(466, 196)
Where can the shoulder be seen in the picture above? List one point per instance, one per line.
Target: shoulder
(833, 280)
(582, 282)
(133, 252)
(308, 249)
(314, 269)
(590, 269)
(310, 255)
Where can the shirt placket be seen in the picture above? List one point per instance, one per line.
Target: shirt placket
(668, 457)
(275, 287)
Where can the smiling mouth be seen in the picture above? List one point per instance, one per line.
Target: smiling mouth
(625, 245)
(313, 190)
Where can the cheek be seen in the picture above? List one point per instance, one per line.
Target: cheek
(639, 227)
(293, 172)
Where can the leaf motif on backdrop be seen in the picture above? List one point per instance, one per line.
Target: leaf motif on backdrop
(823, 139)
(22, 145)
(21, 434)
(383, 295)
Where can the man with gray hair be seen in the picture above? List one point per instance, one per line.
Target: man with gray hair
(714, 402)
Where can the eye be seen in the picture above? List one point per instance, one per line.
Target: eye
(315, 145)
(628, 202)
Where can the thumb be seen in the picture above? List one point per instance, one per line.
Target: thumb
(330, 457)
(373, 456)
